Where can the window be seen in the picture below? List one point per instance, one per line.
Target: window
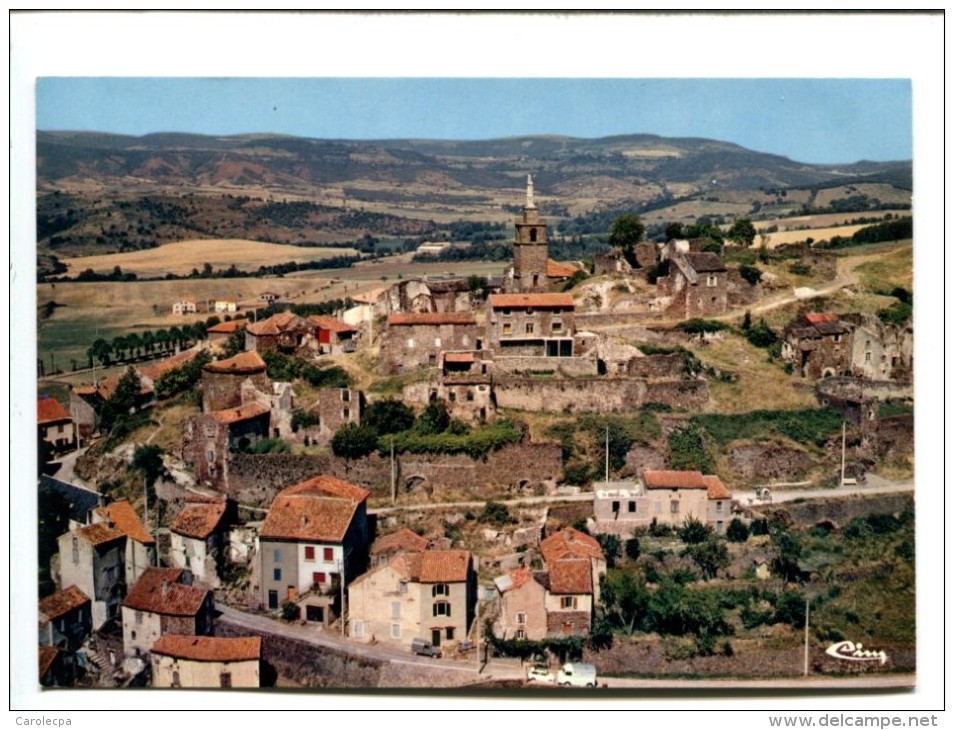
(718, 506)
(437, 342)
(318, 578)
(469, 396)
(395, 610)
(674, 506)
(410, 343)
(273, 599)
(505, 312)
(329, 555)
(59, 428)
(533, 235)
(345, 396)
(521, 618)
(615, 505)
(440, 589)
(449, 633)
(837, 338)
(225, 679)
(442, 608)
(309, 552)
(132, 635)
(357, 629)
(452, 396)
(277, 574)
(521, 634)
(631, 506)
(346, 413)
(867, 357)
(507, 328)
(568, 602)
(138, 618)
(529, 328)
(712, 280)
(556, 326)
(276, 556)
(175, 678)
(75, 551)
(395, 631)
(402, 586)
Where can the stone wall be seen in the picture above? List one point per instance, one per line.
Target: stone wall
(740, 292)
(566, 366)
(598, 395)
(681, 395)
(656, 366)
(771, 462)
(224, 390)
(841, 511)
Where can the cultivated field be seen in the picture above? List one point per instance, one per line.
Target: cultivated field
(824, 220)
(181, 257)
(817, 234)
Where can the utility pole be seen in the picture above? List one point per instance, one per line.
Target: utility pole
(841, 483)
(341, 581)
(806, 637)
(145, 505)
(606, 478)
(393, 474)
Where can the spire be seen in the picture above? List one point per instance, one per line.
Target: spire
(530, 192)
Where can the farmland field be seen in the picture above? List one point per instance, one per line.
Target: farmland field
(181, 257)
(824, 220)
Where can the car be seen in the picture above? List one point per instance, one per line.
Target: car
(539, 673)
(425, 648)
(577, 675)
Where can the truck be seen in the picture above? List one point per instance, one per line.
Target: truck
(425, 648)
(576, 674)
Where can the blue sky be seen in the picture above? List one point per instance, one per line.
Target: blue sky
(808, 120)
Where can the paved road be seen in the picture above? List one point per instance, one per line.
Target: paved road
(875, 485)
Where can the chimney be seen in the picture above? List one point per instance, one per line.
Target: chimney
(165, 588)
(304, 520)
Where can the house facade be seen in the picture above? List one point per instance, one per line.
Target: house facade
(222, 380)
(818, 345)
(416, 340)
(569, 596)
(140, 545)
(66, 619)
(184, 306)
(206, 661)
(164, 601)
(93, 559)
(55, 425)
(221, 332)
(285, 332)
(530, 325)
(570, 544)
(210, 436)
(197, 539)
(334, 336)
(696, 285)
(521, 611)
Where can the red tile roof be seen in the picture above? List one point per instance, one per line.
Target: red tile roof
(199, 520)
(463, 357)
(431, 318)
(50, 410)
(520, 577)
(444, 566)
(227, 328)
(244, 362)
(716, 489)
(330, 323)
(100, 533)
(274, 325)
(531, 301)
(244, 412)
(47, 655)
(405, 540)
(318, 510)
(122, 516)
(558, 270)
(570, 543)
(155, 370)
(673, 479)
(157, 591)
(818, 317)
(570, 576)
(62, 602)
(210, 648)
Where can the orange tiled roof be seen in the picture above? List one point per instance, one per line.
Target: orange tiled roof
(319, 510)
(819, 317)
(403, 539)
(244, 412)
(157, 591)
(244, 362)
(716, 489)
(62, 602)
(462, 357)
(122, 516)
(227, 328)
(444, 566)
(49, 410)
(47, 656)
(558, 270)
(276, 324)
(199, 520)
(431, 318)
(100, 533)
(155, 370)
(570, 576)
(327, 486)
(210, 648)
(330, 323)
(520, 577)
(673, 479)
(570, 543)
(531, 301)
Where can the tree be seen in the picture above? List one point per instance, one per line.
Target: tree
(742, 232)
(352, 441)
(737, 531)
(625, 232)
(611, 548)
(388, 416)
(496, 513)
(624, 600)
(101, 350)
(788, 551)
(123, 401)
(633, 548)
(433, 419)
(710, 555)
(693, 531)
(674, 231)
(687, 451)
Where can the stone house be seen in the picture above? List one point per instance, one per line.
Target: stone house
(92, 558)
(521, 605)
(219, 333)
(429, 595)
(818, 345)
(465, 385)
(140, 545)
(206, 661)
(612, 263)
(222, 380)
(387, 547)
(55, 425)
(530, 325)
(164, 601)
(197, 538)
(184, 306)
(226, 305)
(314, 539)
(570, 544)
(268, 297)
(696, 285)
(85, 405)
(335, 408)
(210, 436)
(333, 335)
(285, 332)
(416, 340)
(569, 596)
(719, 504)
(66, 619)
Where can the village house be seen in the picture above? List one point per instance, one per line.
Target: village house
(269, 297)
(314, 539)
(140, 545)
(416, 340)
(197, 538)
(571, 544)
(206, 661)
(719, 503)
(284, 332)
(521, 611)
(334, 336)
(66, 619)
(85, 406)
(335, 408)
(55, 425)
(92, 558)
(52, 669)
(218, 334)
(388, 547)
(228, 306)
(81, 500)
(465, 385)
(695, 286)
(817, 344)
(429, 595)
(569, 596)
(164, 601)
(222, 380)
(531, 325)
(184, 306)
(210, 436)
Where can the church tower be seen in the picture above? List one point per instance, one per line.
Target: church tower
(530, 250)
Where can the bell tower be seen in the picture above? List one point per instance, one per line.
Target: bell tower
(530, 249)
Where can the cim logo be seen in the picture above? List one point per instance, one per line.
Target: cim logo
(852, 652)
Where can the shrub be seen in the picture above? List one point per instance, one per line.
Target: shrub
(687, 450)
(632, 548)
(303, 419)
(737, 531)
(752, 274)
(496, 514)
(577, 473)
(387, 416)
(693, 531)
(290, 611)
(353, 441)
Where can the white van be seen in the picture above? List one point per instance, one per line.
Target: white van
(575, 674)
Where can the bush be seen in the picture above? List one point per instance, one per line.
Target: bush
(353, 441)
(290, 611)
(752, 274)
(761, 335)
(303, 419)
(687, 451)
(496, 514)
(387, 416)
(737, 531)
(633, 548)
(577, 473)
(693, 531)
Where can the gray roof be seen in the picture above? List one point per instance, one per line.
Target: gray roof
(81, 499)
(705, 261)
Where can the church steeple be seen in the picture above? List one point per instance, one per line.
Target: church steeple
(530, 249)
(530, 192)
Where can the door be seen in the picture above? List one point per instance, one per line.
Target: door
(273, 600)
(436, 637)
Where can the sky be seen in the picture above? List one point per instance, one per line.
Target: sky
(808, 120)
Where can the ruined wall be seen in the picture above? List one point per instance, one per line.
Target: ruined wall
(771, 461)
(656, 366)
(224, 390)
(566, 366)
(598, 395)
(841, 511)
(682, 395)
(740, 292)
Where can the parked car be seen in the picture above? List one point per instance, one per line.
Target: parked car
(577, 675)
(425, 648)
(539, 673)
